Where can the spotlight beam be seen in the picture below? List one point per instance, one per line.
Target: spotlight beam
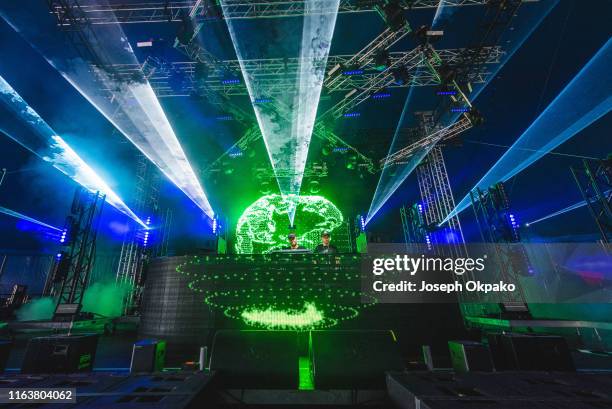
(287, 133)
(46, 144)
(385, 190)
(130, 105)
(20, 216)
(583, 101)
(564, 210)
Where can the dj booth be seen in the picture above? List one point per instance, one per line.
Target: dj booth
(281, 306)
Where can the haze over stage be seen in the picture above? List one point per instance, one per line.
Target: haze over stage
(262, 203)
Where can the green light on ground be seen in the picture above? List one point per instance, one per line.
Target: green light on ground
(263, 226)
(283, 319)
(305, 374)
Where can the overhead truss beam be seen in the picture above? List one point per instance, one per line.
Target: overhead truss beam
(135, 11)
(179, 78)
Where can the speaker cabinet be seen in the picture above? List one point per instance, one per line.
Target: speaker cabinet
(256, 359)
(469, 356)
(60, 354)
(5, 349)
(530, 352)
(148, 355)
(353, 359)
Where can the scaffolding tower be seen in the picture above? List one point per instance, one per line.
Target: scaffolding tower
(594, 180)
(499, 227)
(413, 226)
(136, 248)
(76, 261)
(437, 197)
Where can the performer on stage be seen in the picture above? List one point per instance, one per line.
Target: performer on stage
(293, 244)
(325, 247)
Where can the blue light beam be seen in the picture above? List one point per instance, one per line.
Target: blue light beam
(287, 122)
(533, 17)
(20, 216)
(388, 181)
(563, 211)
(50, 147)
(130, 104)
(586, 98)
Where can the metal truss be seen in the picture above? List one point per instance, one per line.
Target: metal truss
(137, 11)
(179, 79)
(493, 217)
(365, 57)
(594, 180)
(253, 134)
(83, 230)
(437, 195)
(134, 252)
(441, 134)
(413, 225)
(312, 170)
(435, 189)
(411, 61)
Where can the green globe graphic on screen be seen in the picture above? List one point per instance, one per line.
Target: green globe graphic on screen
(264, 225)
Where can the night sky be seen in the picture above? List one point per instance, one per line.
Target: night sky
(559, 47)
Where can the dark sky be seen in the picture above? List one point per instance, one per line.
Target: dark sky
(569, 36)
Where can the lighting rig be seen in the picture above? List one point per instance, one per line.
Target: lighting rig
(134, 11)
(162, 74)
(413, 226)
(594, 181)
(499, 227)
(142, 243)
(437, 197)
(454, 82)
(372, 55)
(73, 264)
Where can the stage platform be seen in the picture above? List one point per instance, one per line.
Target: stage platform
(100, 325)
(117, 390)
(405, 390)
(501, 390)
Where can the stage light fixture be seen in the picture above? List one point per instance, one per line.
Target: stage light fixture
(401, 76)
(186, 30)
(392, 14)
(46, 144)
(391, 178)
(287, 131)
(381, 95)
(230, 81)
(583, 101)
(355, 71)
(200, 71)
(382, 60)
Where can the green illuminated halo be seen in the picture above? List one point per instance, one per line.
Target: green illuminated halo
(263, 226)
(264, 291)
(272, 318)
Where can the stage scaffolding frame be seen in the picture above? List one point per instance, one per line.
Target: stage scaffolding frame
(83, 225)
(594, 180)
(493, 218)
(135, 252)
(141, 12)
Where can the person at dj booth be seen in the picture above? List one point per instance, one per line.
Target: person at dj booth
(293, 243)
(325, 247)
